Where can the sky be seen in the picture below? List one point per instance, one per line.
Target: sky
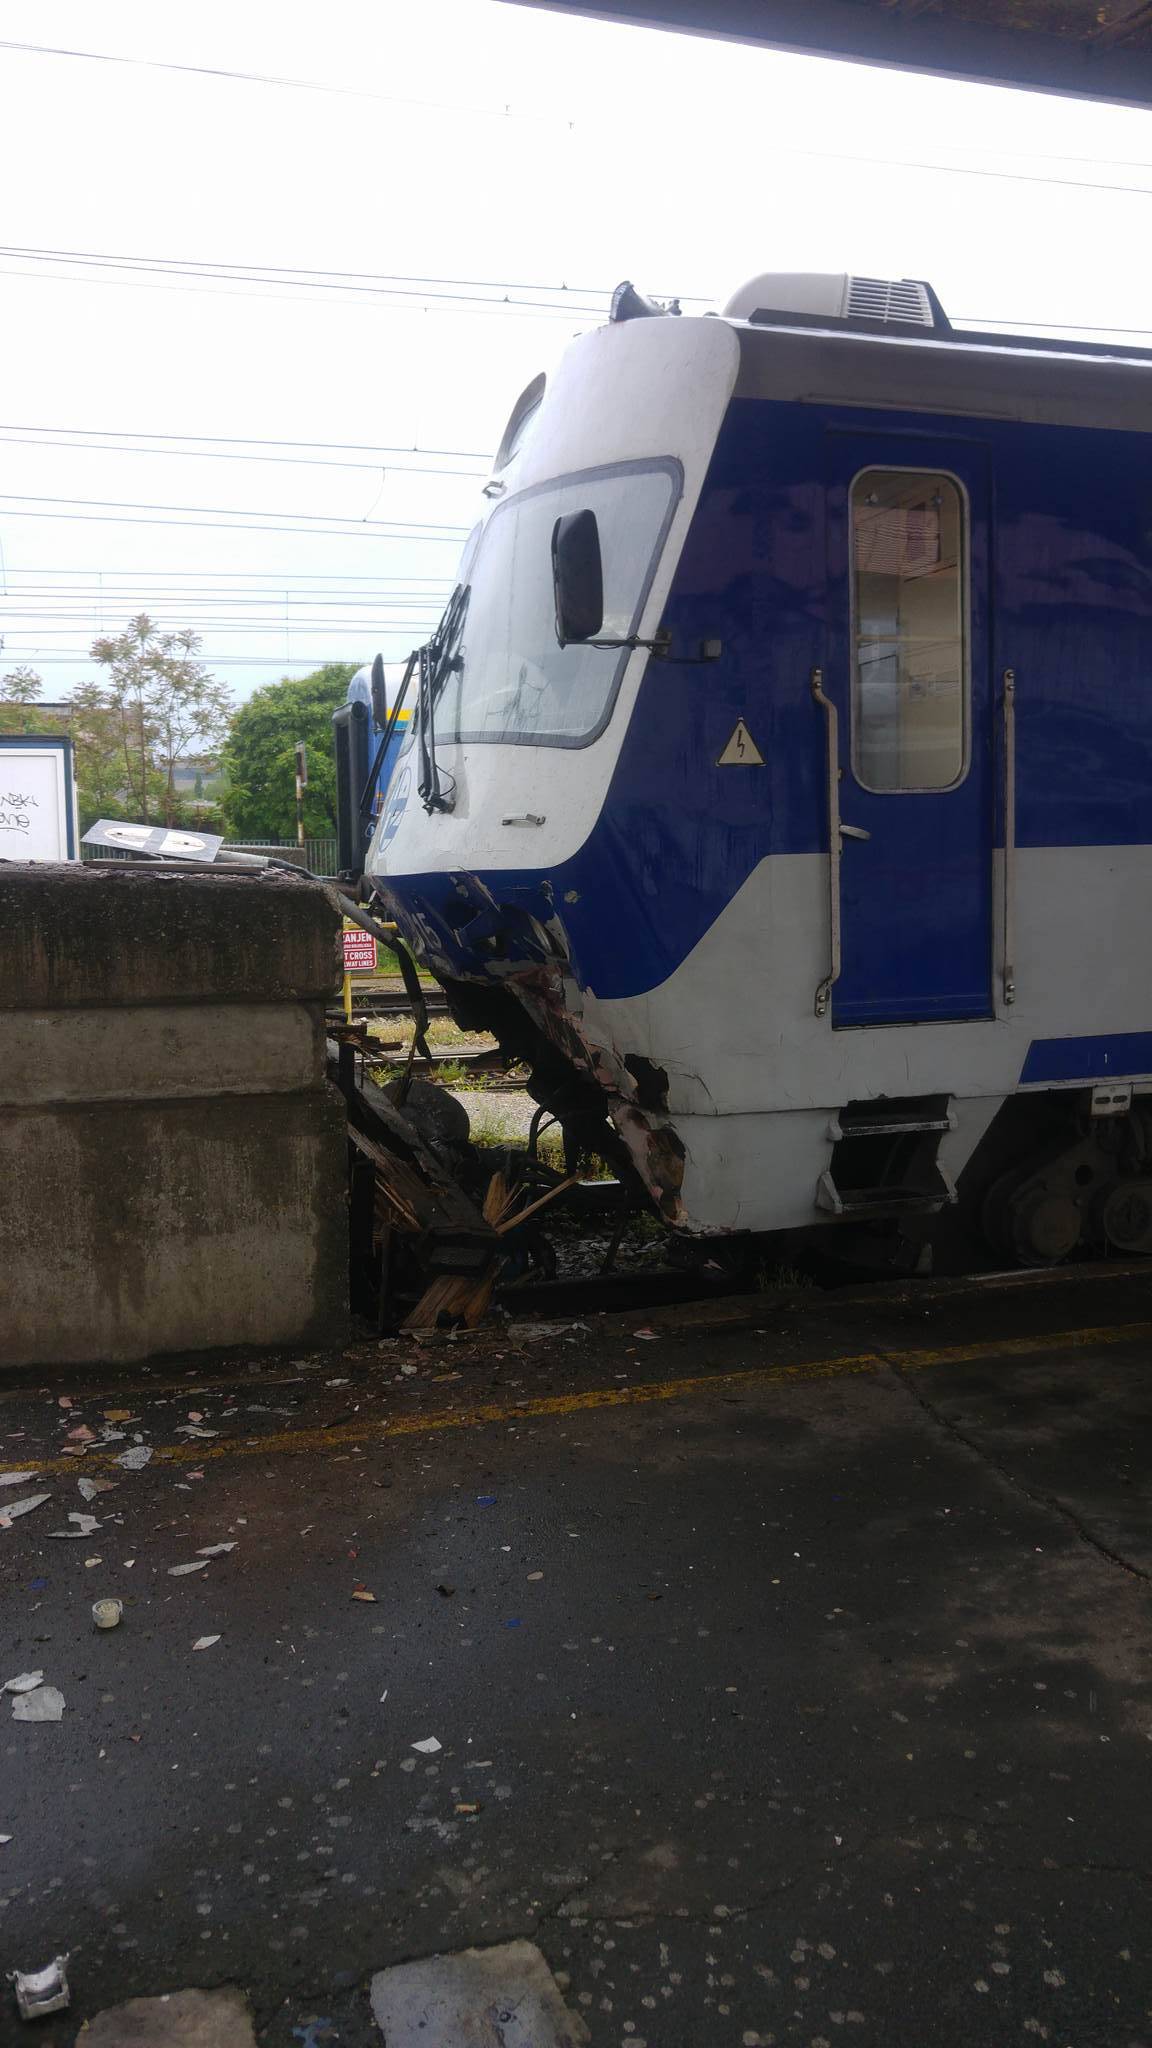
(261, 335)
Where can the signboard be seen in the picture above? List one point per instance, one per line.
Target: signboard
(154, 839)
(359, 951)
(37, 798)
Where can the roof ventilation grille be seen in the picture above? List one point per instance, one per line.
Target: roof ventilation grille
(879, 298)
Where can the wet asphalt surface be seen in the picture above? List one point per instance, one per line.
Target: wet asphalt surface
(808, 1706)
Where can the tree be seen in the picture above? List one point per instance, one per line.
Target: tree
(95, 726)
(163, 706)
(19, 710)
(21, 686)
(259, 757)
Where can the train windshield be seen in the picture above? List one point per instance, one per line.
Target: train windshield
(516, 683)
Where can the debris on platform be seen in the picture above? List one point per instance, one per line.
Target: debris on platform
(39, 1992)
(429, 1746)
(107, 1613)
(17, 1478)
(85, 1525)
(89, 1488)
(135, 1459)
(13, 1508)
(465, 1997)
(181, 2019)
(179, 1571)
(205, 1642)
(26, 1681)
(43, 1703)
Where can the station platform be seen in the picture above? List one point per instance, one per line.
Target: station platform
(779, 1670)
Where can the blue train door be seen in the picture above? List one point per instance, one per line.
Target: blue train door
(908, 659)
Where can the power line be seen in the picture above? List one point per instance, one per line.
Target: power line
(235, 511)
(272, 575)
(496, 298)
(279, 273)
(173, 454)
(361, 532)
(475, 292)
(253, 441)
(271, 78)
(272, 661)
(508, 112)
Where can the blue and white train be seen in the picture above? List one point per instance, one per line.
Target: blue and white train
(779, 782)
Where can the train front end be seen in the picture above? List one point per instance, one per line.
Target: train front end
(502, 851)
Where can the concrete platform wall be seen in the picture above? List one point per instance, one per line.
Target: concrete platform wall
(172, 1160)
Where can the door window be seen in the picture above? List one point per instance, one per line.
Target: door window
(909, 630)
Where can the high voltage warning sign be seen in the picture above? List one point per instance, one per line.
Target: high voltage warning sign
(741, 751)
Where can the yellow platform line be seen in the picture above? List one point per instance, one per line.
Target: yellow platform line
(480, 1415)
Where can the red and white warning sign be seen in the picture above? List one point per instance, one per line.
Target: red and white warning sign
(359, 951)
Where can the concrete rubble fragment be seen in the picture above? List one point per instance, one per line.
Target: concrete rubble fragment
(85, 1524)
(183, 2019)
(506, 1993)
(135, 1459)
(12, 1508)
(45, 1703)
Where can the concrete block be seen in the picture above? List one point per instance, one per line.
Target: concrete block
(185, 2019)
(160, 1051)
(505, 1994)
(130, 1229)
(76, 937)
(172, 1158)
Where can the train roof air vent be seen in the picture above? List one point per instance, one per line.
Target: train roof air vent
(877, 298)
(835, 299)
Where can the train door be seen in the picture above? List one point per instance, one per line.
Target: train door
(908, 661)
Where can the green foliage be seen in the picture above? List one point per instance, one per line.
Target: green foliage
(259, 758)
(21, 686)
(158, 706)
(19, 710)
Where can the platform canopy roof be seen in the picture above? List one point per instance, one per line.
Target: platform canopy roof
(1099, 49)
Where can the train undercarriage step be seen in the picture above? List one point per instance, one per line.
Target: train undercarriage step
(884, 1158)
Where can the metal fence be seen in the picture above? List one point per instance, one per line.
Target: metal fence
(319, 855)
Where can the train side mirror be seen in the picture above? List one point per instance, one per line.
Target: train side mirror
(577, 577)
(379, 694)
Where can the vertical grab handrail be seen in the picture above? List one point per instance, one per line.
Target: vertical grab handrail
(1009, 871)
(824, 990)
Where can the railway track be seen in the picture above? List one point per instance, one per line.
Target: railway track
(395, 1003)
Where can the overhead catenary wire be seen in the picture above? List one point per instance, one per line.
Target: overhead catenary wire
(234, 511)
(178, 454)
(251, 441)
(508, 112)
(476, 292)
(361, 532)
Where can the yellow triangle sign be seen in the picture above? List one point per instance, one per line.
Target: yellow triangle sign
(741, 751)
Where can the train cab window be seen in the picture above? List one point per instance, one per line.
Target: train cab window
(909, 630)
(514, 682)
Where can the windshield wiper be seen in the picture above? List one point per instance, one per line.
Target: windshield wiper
(438, 659)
